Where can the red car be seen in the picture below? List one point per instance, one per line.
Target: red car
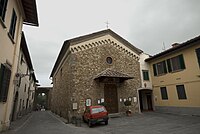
(95, 114)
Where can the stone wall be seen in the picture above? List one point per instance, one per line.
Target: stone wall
(76, 84)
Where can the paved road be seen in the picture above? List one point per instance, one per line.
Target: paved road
(147, 123)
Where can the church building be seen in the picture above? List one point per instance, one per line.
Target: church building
(98, 68)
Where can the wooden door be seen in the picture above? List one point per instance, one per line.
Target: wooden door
(149, 102)
(111, 98)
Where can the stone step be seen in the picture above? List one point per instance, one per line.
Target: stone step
(115, 115)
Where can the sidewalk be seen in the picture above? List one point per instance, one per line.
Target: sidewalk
(19, 123)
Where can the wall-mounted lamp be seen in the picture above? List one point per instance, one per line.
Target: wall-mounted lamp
(23, 75)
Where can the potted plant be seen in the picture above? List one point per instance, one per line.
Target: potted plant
(127, 103)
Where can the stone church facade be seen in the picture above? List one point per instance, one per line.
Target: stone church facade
(101, 67)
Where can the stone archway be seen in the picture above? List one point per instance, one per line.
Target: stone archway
(42, 98)
(146, 100)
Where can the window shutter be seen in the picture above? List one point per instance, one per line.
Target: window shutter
(181, 60)
(13, 24)
(154, 70)
(1, 82)
(164, 94)
(198, 55)
(1, 7)
(165, 67)
(4, 9)
(4, 82)
(169, 65)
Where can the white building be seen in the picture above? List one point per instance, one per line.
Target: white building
(25, 82)
(145, 93)
(13, 14)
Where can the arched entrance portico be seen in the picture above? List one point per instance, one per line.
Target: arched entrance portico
(146, 99)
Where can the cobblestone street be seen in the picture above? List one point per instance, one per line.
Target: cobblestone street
(150, 122)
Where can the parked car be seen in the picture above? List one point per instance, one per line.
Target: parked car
(95, 114)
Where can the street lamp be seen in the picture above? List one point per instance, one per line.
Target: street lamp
(23, 75)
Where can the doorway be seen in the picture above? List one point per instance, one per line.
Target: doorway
(111, 98)
(145, 97)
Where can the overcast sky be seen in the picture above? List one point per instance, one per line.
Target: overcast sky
(147, 24)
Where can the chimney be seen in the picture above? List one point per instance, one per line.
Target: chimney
(175, 45)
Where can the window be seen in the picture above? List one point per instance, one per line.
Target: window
(5, 74)
(176, 63)
(3, 5)
(198, 55)
(181, 92)
(13, 24)
(159, 68)
(163, 91)
(25, 88)
(109, 60)
(145, 74)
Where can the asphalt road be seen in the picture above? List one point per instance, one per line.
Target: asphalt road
(148, 123)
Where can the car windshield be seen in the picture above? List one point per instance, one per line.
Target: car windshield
(98, 110)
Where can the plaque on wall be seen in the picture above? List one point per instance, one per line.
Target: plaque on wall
(75, 106)
(134, 99)
(88, 102)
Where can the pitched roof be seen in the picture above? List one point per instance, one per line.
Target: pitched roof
(102, 33)
(30, 10)
(87, 37)
(25, 51)
(112, 74)
(176, 48)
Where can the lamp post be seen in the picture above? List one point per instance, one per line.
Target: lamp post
(23, 75)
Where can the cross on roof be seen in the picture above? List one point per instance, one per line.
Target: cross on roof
(107, 24)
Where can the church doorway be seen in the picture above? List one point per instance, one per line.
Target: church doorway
(111, 98)
(145, 97)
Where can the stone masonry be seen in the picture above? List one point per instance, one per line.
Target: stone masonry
(73, 79)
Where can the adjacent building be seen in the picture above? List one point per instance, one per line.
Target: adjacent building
(13, 14)
(25, 83)
(101, 67)
(145, 92)
(175, 75)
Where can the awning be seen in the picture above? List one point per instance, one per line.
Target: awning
(109, 73)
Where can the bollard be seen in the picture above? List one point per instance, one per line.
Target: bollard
(78, 122)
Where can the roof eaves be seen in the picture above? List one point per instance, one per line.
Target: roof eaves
(64, 48)
(26, 51)
(174, 49)
(30, 10)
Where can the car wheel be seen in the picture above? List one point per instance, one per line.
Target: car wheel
(89, 123)
(106, 122)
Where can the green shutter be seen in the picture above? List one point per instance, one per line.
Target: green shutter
(1, 81)
(169, 66)
(6, 83)
(4, 9)
(13, 24)
(154, 70)
(198, 55)
(3, 5)
(181, 60)
(5, 74)
(165, 67)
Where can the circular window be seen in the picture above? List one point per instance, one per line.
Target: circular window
(109, 60)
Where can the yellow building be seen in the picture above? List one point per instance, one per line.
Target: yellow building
(176, 78)
(13, 14)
